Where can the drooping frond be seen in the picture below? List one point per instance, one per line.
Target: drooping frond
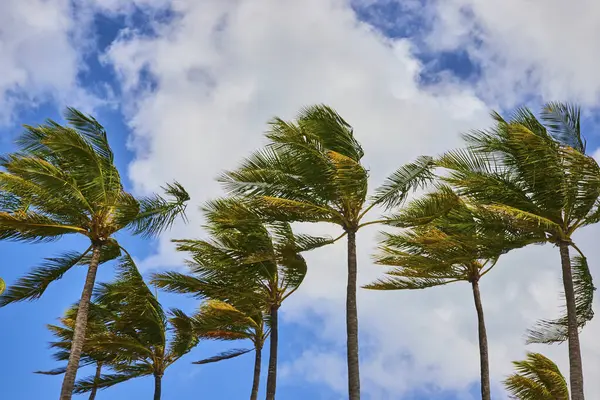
(537, 378)
(33, 285)
(407, 178)
(556, 331)
(2, 286)
(226, 355)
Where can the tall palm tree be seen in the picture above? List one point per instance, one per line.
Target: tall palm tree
(97, 325)
(537, 378)
(311, 171)
(220, 320)
(61, 181)
(136, 339)
(245, 262)
(449, 241)
(537, 174)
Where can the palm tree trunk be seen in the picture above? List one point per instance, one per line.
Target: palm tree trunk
(483, 344)
(352, 321)
(272, 372)
(575, 364)
(80, 326)
(157, 386)
(256, 380)
(96, 380)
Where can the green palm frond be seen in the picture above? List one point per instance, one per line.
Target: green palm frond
(156, 214)
(226, 355)
(33, 285)
(2, 286)
(537, 378)
(107, 380)
(563, 122)
(556, 331)
(407, 178)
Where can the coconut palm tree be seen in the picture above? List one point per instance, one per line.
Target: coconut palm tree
(97, 325)
(136, 339)
(449, 240)
(220, 320)
(245, 262)
(538, 175)
(537, 378)
(311, 171)
(61, 181)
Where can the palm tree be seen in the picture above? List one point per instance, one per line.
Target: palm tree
(97, 325)
(449, 241)
(537, 174)
(245, 263)
(136, 339)
(63, 180)
(220, 320)
(537, 378)
(311, 171)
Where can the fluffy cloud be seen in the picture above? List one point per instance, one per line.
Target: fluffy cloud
(39, 60)
(524, 48)
(199, 91)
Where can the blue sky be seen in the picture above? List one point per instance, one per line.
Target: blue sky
(184, 89)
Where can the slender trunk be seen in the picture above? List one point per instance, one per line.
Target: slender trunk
(256, 380)
(96, 380)
(575, 364)
(157, 386)
(352, 321)
(272, 372)
(80, 326)
(483, 344)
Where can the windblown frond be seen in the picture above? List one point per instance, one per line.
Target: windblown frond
(537, 378)
(556, 331)
(226, 355)
(33, 285)
(407, 178)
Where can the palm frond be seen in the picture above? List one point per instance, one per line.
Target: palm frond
(563, 122)
(157, 213)
(226, 355)
(537, 378)
(33, 285)
(407, 178)
(556, 331)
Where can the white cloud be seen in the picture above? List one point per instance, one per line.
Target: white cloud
(525, 48)
(221, 69)
(39, 60)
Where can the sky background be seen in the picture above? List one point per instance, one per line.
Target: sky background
(185, 87)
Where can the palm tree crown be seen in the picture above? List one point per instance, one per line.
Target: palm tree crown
(537, 174)
(62, 180)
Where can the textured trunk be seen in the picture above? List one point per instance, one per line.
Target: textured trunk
(256, 380)
(352, 321)
(157, 386)
(483, 345)
(96, 380)
(272, 372)
(575, 365)
(80, 326)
